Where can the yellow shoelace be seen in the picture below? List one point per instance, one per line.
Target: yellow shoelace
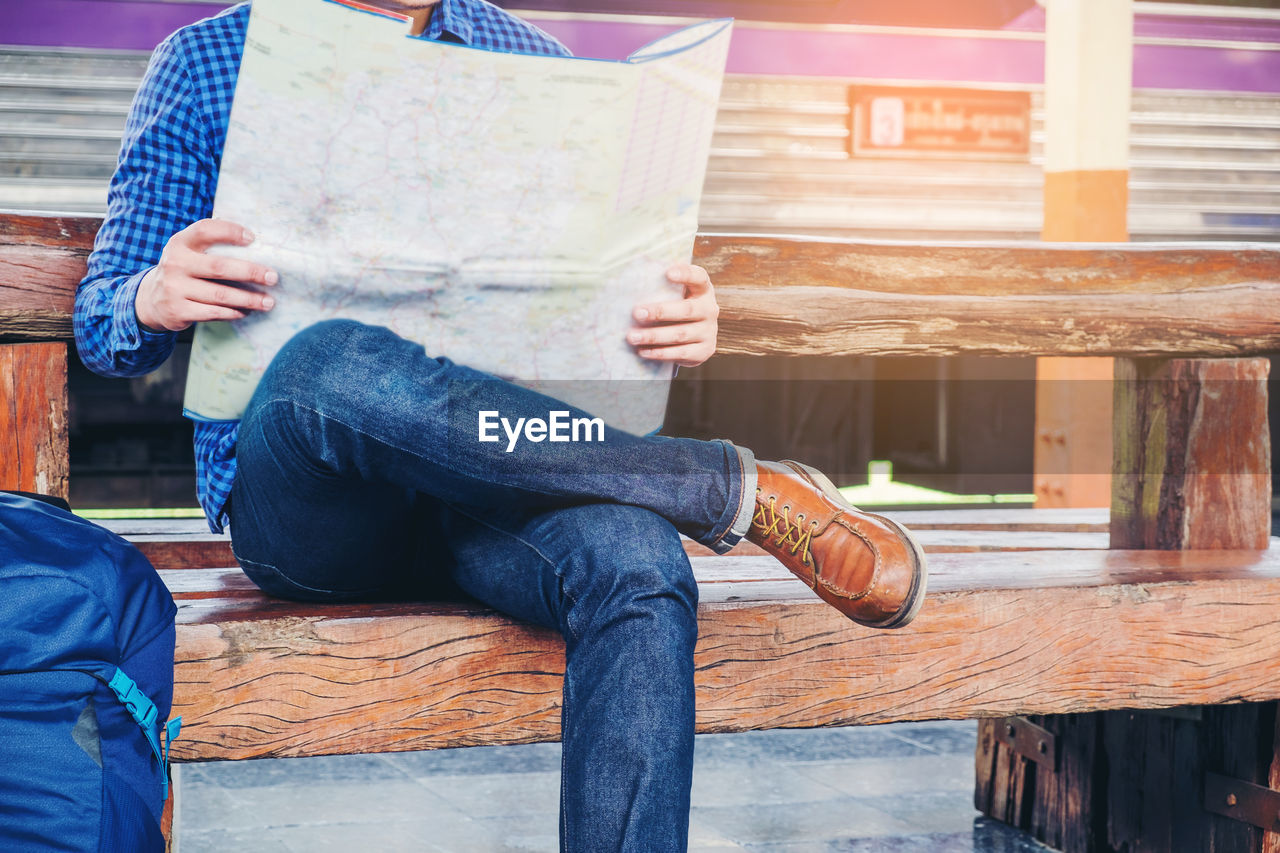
(789, 532)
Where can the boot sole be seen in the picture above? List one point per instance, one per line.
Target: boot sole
(915, 598)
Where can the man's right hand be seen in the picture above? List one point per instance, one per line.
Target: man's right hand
(187, 286)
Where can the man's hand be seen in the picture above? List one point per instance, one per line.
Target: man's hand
(187, 285)
(683, 331)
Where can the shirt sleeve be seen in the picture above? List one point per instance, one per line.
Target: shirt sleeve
(164, 181)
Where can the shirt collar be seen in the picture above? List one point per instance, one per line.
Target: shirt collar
(453, 17)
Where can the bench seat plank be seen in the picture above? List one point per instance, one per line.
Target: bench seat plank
(186, 543)
(1028, 632)
(211, 551)
(1061, 520)
(948, 573)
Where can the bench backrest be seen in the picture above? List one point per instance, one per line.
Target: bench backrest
(823, 296)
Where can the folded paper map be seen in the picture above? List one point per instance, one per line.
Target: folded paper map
(506, 211)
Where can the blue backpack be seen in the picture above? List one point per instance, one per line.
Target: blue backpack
(86, 681)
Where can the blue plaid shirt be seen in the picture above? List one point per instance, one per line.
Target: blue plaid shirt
(166, 178)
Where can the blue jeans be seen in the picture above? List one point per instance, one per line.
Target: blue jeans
(360, 476)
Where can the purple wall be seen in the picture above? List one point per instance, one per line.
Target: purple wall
(112, 24)
(762, 50)
(759, 49)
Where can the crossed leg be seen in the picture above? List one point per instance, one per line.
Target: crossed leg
(329, 504)
(613, 580)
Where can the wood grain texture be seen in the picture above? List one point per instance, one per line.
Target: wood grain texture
(22, 326)
(761, 579)
(1154, 772)
(1192, 454)
(808, 296)
(48, 231)
(1063, 806)
(792, 295)
(260, 677)
(42, 259)
(1147, 755)
(1236, 742)
(169, 816)
(999, 776)
(1191, 470)
(33, 418)
(1129, 781)
(1271, 840)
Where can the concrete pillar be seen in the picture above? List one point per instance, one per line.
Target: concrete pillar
(1088, 82)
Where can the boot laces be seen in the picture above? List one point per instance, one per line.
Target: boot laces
(792, 533)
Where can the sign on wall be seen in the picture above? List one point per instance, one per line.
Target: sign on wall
(937, 122)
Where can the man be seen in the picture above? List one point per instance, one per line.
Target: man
(356, 471)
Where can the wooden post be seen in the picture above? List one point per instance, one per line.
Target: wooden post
(1271, 840)
(1087, 81)
(1192, 455)
(1192, 471)
(33, 418)
(1056, 806)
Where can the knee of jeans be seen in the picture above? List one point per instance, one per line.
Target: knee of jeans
(332, 357)
(637, 564)
(314, 347)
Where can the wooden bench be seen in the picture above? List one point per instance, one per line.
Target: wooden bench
(1030, 611)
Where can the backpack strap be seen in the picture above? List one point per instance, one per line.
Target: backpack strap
(144, 712)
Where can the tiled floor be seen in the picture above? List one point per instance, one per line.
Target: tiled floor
(879, 789)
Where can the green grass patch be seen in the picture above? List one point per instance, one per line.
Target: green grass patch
(882, 490)
(163, 512)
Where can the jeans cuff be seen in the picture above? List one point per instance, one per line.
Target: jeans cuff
(746, 501)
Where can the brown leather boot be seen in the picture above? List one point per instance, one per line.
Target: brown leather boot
(866, 566)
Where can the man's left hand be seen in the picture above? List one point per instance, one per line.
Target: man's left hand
(683, 330)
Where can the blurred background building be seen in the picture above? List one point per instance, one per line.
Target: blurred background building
(880, 119)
